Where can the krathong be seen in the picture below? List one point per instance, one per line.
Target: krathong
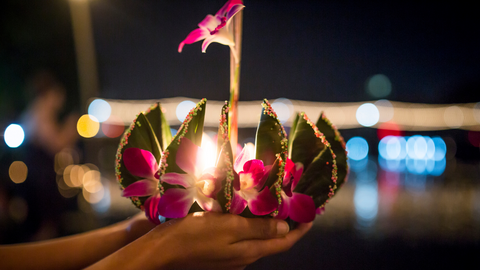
(287, 177)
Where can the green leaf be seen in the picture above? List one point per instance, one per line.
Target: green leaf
(271, 137)
(316, 181)
(305, 143)
(292, 133)
(192, 128)
(159, 124)
(338, 146)
(139, 135)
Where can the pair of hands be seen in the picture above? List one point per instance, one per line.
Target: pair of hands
(203, 240)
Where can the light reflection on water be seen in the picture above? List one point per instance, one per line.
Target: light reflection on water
(386, 198)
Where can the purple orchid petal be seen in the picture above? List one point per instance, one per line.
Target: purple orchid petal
(140, 162)
(257, 170)
(284, 207)
(302, 208)
(234, 10)
(238, 204)
(320, 210)
(210, 23)
(263, 204)
(228, 6)
(140, 188)
(194, 36)
(187, 156)
(207, 204)
(297, 174)
(181, 179)
(176, 202)
(151, 208)
(243, 157)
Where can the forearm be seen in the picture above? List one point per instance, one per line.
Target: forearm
(72, 252)
(146, 253)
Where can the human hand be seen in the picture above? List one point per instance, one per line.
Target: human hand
(208, 240)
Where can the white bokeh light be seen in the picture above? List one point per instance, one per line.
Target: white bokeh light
(284, 109)
(367, 115)
(453, 117)
(385, 109)
(100, 109)
(183, 108)
(14, 135)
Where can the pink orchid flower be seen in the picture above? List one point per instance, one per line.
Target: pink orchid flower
(248, 191)
(215, 28)
(201, 185)
(299, 207)
(142, 163)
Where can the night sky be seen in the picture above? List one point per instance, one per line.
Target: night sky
(307, 50)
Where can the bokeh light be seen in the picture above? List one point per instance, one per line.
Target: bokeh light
(18, 172)
(93, 197)
(100, 110)
(284, 109)
(474, 138)
(476, 112)
(453, 117)
(183, 108)
(385, 109)
(87, 126)
(388, 129)
(379, 86)
(366, 202)
(420, 155)
(113, 127)
(14, 135)
(64, 158)
(357, 148)
(367, 115)
(440, 148)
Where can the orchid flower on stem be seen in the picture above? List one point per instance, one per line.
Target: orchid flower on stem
(216, 28)
(142, 163)
(249, 187)
(200, 185)
(299, 207)
(219, 28)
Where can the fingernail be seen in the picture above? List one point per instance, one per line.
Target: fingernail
(282, 228)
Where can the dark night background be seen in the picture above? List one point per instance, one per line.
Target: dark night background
(305, 50)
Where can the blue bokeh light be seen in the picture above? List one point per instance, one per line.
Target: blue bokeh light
(440, 148)
(357, 148)
(419, 155)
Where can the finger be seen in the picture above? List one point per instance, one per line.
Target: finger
(260, 248)
(259, 228)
